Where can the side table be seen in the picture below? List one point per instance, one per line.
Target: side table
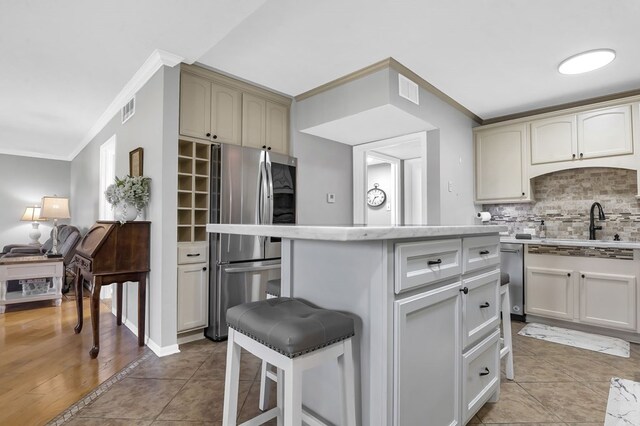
(27, 267)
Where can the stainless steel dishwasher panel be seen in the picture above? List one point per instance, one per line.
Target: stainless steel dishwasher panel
(512, 262)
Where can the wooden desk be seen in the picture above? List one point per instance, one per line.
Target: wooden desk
(20, 268)
(112, 253)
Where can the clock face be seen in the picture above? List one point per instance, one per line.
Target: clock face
(376, 197)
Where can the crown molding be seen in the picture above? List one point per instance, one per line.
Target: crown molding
(154, 62)
(34, 154)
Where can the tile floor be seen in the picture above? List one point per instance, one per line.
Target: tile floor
(555, 385)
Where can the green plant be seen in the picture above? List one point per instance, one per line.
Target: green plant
(133, 190)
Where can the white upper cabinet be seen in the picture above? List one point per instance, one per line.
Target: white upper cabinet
(254, 121)
(277, 131)
(605, 132)
(195, 106)
(592, 134)
(554, 139)
(501, 164)
(226, 106)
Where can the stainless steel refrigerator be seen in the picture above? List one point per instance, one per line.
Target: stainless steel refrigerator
(249, 186)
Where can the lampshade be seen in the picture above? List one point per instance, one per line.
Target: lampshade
(55, 208)
(31, 214)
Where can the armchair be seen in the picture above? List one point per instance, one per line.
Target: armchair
(68, 239)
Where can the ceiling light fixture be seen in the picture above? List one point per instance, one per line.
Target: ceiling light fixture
(587, 61)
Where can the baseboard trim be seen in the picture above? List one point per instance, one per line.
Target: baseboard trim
(190, 336)
(162, 350)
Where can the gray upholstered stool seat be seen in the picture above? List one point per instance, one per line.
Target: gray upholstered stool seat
(290, 326)
(504, 278)
(273, 288)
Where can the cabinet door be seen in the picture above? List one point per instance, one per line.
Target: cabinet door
(427, 358)
(480, 374)
(500, 167)
(554, 139)
(226, 112)
(605, 132)
(193, 296)
(550, 292)
(253, 121)
(195, 106)
(480, 307)
(608, 300)
(277, 136)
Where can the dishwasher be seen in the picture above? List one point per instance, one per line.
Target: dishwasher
(512, 262)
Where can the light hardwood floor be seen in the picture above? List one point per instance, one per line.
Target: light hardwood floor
(45, 367)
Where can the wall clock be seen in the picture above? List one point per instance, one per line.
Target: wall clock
(376, 196)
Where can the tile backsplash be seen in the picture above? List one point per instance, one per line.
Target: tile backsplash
(563, 200)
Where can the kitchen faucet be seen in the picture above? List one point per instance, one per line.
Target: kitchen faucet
(592, 227)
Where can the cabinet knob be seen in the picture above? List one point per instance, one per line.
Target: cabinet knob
(582, 275)
(523, 194)
(264, 146)
(485, 372)
(581, 155)
(573, 156)
(204, 268)
(215, 136)
(568, 274)
(485, 305)
(465, 290)
(269, 149)
(208, 134)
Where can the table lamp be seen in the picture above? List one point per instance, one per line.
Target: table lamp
(55, 208)
(32, 214)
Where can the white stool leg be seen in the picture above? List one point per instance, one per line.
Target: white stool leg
(506, 330)
(347, 375)
(280, 396)
(264, 387)
(231, 381)
(292, 395)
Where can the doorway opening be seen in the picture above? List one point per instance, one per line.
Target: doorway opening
(398, 166)
(107, 177)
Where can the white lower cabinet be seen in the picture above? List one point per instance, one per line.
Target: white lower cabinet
(193, 296)
(549, 292)
(426, 357)
(583, 290)
(446, 360)
(481, 374)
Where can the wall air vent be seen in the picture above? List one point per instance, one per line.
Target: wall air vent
(128, 109)
(408, 89)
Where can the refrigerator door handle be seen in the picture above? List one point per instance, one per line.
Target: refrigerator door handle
(270, 188)
(239, 269)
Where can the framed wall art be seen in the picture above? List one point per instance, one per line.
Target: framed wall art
(135, 162)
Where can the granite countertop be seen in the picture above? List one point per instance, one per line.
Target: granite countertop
(573, 243)
(354, 233)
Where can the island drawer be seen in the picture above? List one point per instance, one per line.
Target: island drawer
(192, 253)
(480, 306)
(425, 262)
(480, 252)
(480, 375)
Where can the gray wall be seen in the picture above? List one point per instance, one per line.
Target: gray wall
(23, 182)
(324, 166)
(154, 127)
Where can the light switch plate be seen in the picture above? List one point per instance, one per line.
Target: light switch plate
(331, 198)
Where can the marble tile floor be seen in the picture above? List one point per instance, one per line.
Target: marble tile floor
(555, 385)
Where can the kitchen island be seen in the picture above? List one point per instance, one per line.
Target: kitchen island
(426, 300)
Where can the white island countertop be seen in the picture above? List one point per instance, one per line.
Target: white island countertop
(354, 233)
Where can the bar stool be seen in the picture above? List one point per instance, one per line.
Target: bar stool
(506, 341)
(293, 336)
(273, 290)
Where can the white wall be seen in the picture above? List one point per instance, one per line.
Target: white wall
(23, 182)
(381, 174)
(154, 127)
(324, 166)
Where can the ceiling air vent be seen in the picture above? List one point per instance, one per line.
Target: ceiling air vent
(408, 89)
(128, 109)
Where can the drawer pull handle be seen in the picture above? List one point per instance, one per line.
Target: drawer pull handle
(434, 262)
(193, 254)
(485, 305)
(485, 372)
(484, 252)
(465, 290)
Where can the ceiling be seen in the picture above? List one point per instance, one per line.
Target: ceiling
(65, 62)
